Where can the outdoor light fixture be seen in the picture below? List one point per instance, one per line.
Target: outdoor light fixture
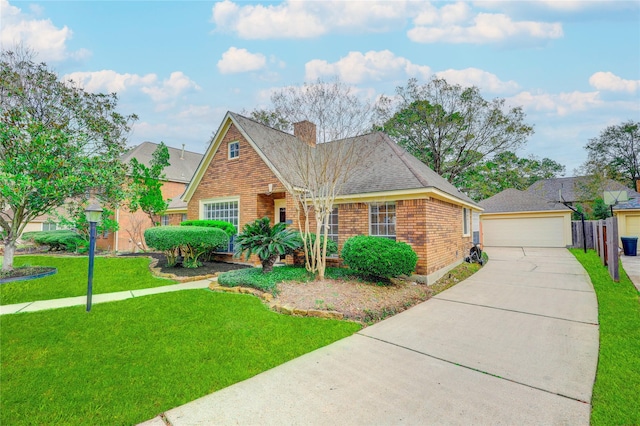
(93, 214)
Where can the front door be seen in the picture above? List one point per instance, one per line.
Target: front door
(280, 213)
(280, 210)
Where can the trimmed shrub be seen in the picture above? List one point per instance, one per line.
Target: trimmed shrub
(379, 256)
(63, 239)
(191, 241)
(220, 224)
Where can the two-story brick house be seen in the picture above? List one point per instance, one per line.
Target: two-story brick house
(131, 225)
(392, 194)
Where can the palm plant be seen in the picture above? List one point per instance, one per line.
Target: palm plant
(266, 242)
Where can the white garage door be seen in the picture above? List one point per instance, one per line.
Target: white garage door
(524, 232)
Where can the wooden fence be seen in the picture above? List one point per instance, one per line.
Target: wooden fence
(601, 235)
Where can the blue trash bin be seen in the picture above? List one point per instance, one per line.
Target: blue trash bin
(629, 245)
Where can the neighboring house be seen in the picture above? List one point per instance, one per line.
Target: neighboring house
(391, 195)
(573, 189)
(182, 165)
(514, 218)
(628, 214)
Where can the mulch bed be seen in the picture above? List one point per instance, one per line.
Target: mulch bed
(207, 268)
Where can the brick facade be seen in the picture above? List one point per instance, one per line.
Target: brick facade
(245, 178)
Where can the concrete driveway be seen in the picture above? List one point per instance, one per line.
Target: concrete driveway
(517, 343)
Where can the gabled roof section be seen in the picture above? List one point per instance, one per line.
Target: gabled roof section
(512, 200)
(387, 168)
(182, 164)
(571, 188)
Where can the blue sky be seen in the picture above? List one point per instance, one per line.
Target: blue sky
(574, 66)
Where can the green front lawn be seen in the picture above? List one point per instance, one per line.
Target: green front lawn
(617, 388)
(126, 362)
(111, 274)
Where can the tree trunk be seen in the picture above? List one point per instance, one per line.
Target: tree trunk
(267, 264)
(9, 252)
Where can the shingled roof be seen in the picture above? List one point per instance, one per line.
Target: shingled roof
(182, 164)
(571, 188)
(387, 168)
(513, 200)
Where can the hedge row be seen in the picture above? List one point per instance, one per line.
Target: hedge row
(65, 240)
(220, 224)
(190, 241)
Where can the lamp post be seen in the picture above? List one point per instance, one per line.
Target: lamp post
(93, 213)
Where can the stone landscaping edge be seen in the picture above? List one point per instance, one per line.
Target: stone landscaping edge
(283, 309)
(158, 273)
(267, 297)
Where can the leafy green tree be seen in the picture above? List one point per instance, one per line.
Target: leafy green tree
(146, 184)
(506, 170)
(616, 151)
(451, 128)
(266, 242)
(58, 144)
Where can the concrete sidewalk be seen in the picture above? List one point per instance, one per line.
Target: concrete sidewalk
(99, 298)
(517, 343)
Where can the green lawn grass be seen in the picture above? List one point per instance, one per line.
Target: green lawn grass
(617, 388)
(110, 275)
(126, 362)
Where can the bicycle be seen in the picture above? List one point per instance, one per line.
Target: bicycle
(475, 254)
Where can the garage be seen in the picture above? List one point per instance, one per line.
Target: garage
(514, 218)
(524, 232)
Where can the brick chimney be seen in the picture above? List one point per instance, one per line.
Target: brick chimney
(306, 131)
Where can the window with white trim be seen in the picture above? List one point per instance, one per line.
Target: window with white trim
(465, 221)
(382, 220)
(234, 149)
(164, 220)
(49, 226)
(222, 210)
(183, 218)
(332, 228)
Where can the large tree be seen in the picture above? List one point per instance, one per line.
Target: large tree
(506, 170)
(452, 128)
(336, 109)
(616, 152)
(58, 143)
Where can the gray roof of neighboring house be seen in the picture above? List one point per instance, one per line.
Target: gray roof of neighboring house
(385, 166)
(571, 188)
(513, 200)
(182, 164)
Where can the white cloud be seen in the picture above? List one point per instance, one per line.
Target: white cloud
(477, 77)
(610, 82)
(171, 88)
(305, 19)
(483, 28)
(561, 104)
(286, 20)
(41, 35)
(109, 80)
(357, 67)
(237, 60)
